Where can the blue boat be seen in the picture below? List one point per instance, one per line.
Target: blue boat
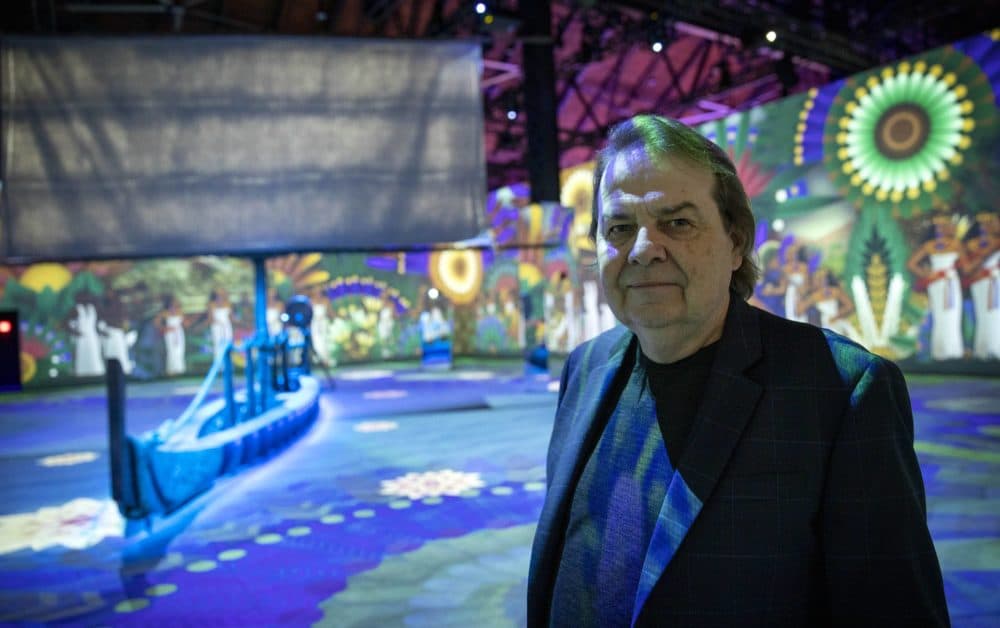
(158, 472)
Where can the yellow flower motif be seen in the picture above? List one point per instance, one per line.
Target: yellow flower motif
(47, 275)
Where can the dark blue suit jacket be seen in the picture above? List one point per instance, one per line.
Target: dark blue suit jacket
(798, 502)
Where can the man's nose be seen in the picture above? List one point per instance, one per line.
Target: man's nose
(646, 250)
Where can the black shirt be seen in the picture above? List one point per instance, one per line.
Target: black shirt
(678, 388)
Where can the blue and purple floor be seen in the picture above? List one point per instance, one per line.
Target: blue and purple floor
(411, 501)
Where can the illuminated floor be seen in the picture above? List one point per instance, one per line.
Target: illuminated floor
(412, 501)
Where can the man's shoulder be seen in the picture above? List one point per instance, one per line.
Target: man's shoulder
(794, 343)
(850, 359)
(854, 360)
(778, 330)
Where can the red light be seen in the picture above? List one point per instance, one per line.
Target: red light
(5, 327)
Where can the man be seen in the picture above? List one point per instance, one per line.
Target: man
(710, 463)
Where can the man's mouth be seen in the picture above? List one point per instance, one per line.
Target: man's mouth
(650, 284)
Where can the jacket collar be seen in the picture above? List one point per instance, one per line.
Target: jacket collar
(729, 400)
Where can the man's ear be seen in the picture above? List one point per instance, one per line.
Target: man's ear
(738, 243)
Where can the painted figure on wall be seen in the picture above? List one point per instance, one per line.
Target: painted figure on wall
(983, 266)
(591, 310)
(558, 314)
(220, 317)
(796, 272)
(512, 317)
(937, 262)
(272, 313)
(386, 324)
(830, 302)
(319, 326)
(770, 293)
(87, 355)
(433, 324)
(171, 324)
(148, 352)
(115, 340)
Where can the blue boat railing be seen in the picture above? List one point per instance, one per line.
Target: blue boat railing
(261, 386)
(223, 363)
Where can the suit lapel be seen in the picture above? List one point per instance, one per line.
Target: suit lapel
(585, 408)
(729, 401)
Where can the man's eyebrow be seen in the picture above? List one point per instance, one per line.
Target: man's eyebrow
(673, 209)
(616, 214)
(616, 210)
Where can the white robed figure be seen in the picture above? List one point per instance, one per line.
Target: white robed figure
(944, 296)
(319, 329)
(985, 290)
(174, 343)
(937, 261)
(221, 328)
(87, 355)
(115, 344)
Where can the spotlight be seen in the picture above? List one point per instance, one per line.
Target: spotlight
(771, 36)
(511, 114)
(659, 31)
(480, 8)
(433, 293)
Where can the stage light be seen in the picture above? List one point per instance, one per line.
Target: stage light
(659, 31)
(511, 114)
(771, 36)
(5, 327)
(496, 20)
(433, 293)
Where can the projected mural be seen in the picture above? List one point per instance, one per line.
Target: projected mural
(875, 199)
(878, 218)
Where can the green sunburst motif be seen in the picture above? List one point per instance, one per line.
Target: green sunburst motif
(893, 135)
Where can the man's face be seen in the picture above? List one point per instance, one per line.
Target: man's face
(665, 258)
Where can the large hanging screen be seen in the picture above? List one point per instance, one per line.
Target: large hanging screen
(125, 147)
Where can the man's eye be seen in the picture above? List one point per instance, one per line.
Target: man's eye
(676, 224)
(617, 231)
